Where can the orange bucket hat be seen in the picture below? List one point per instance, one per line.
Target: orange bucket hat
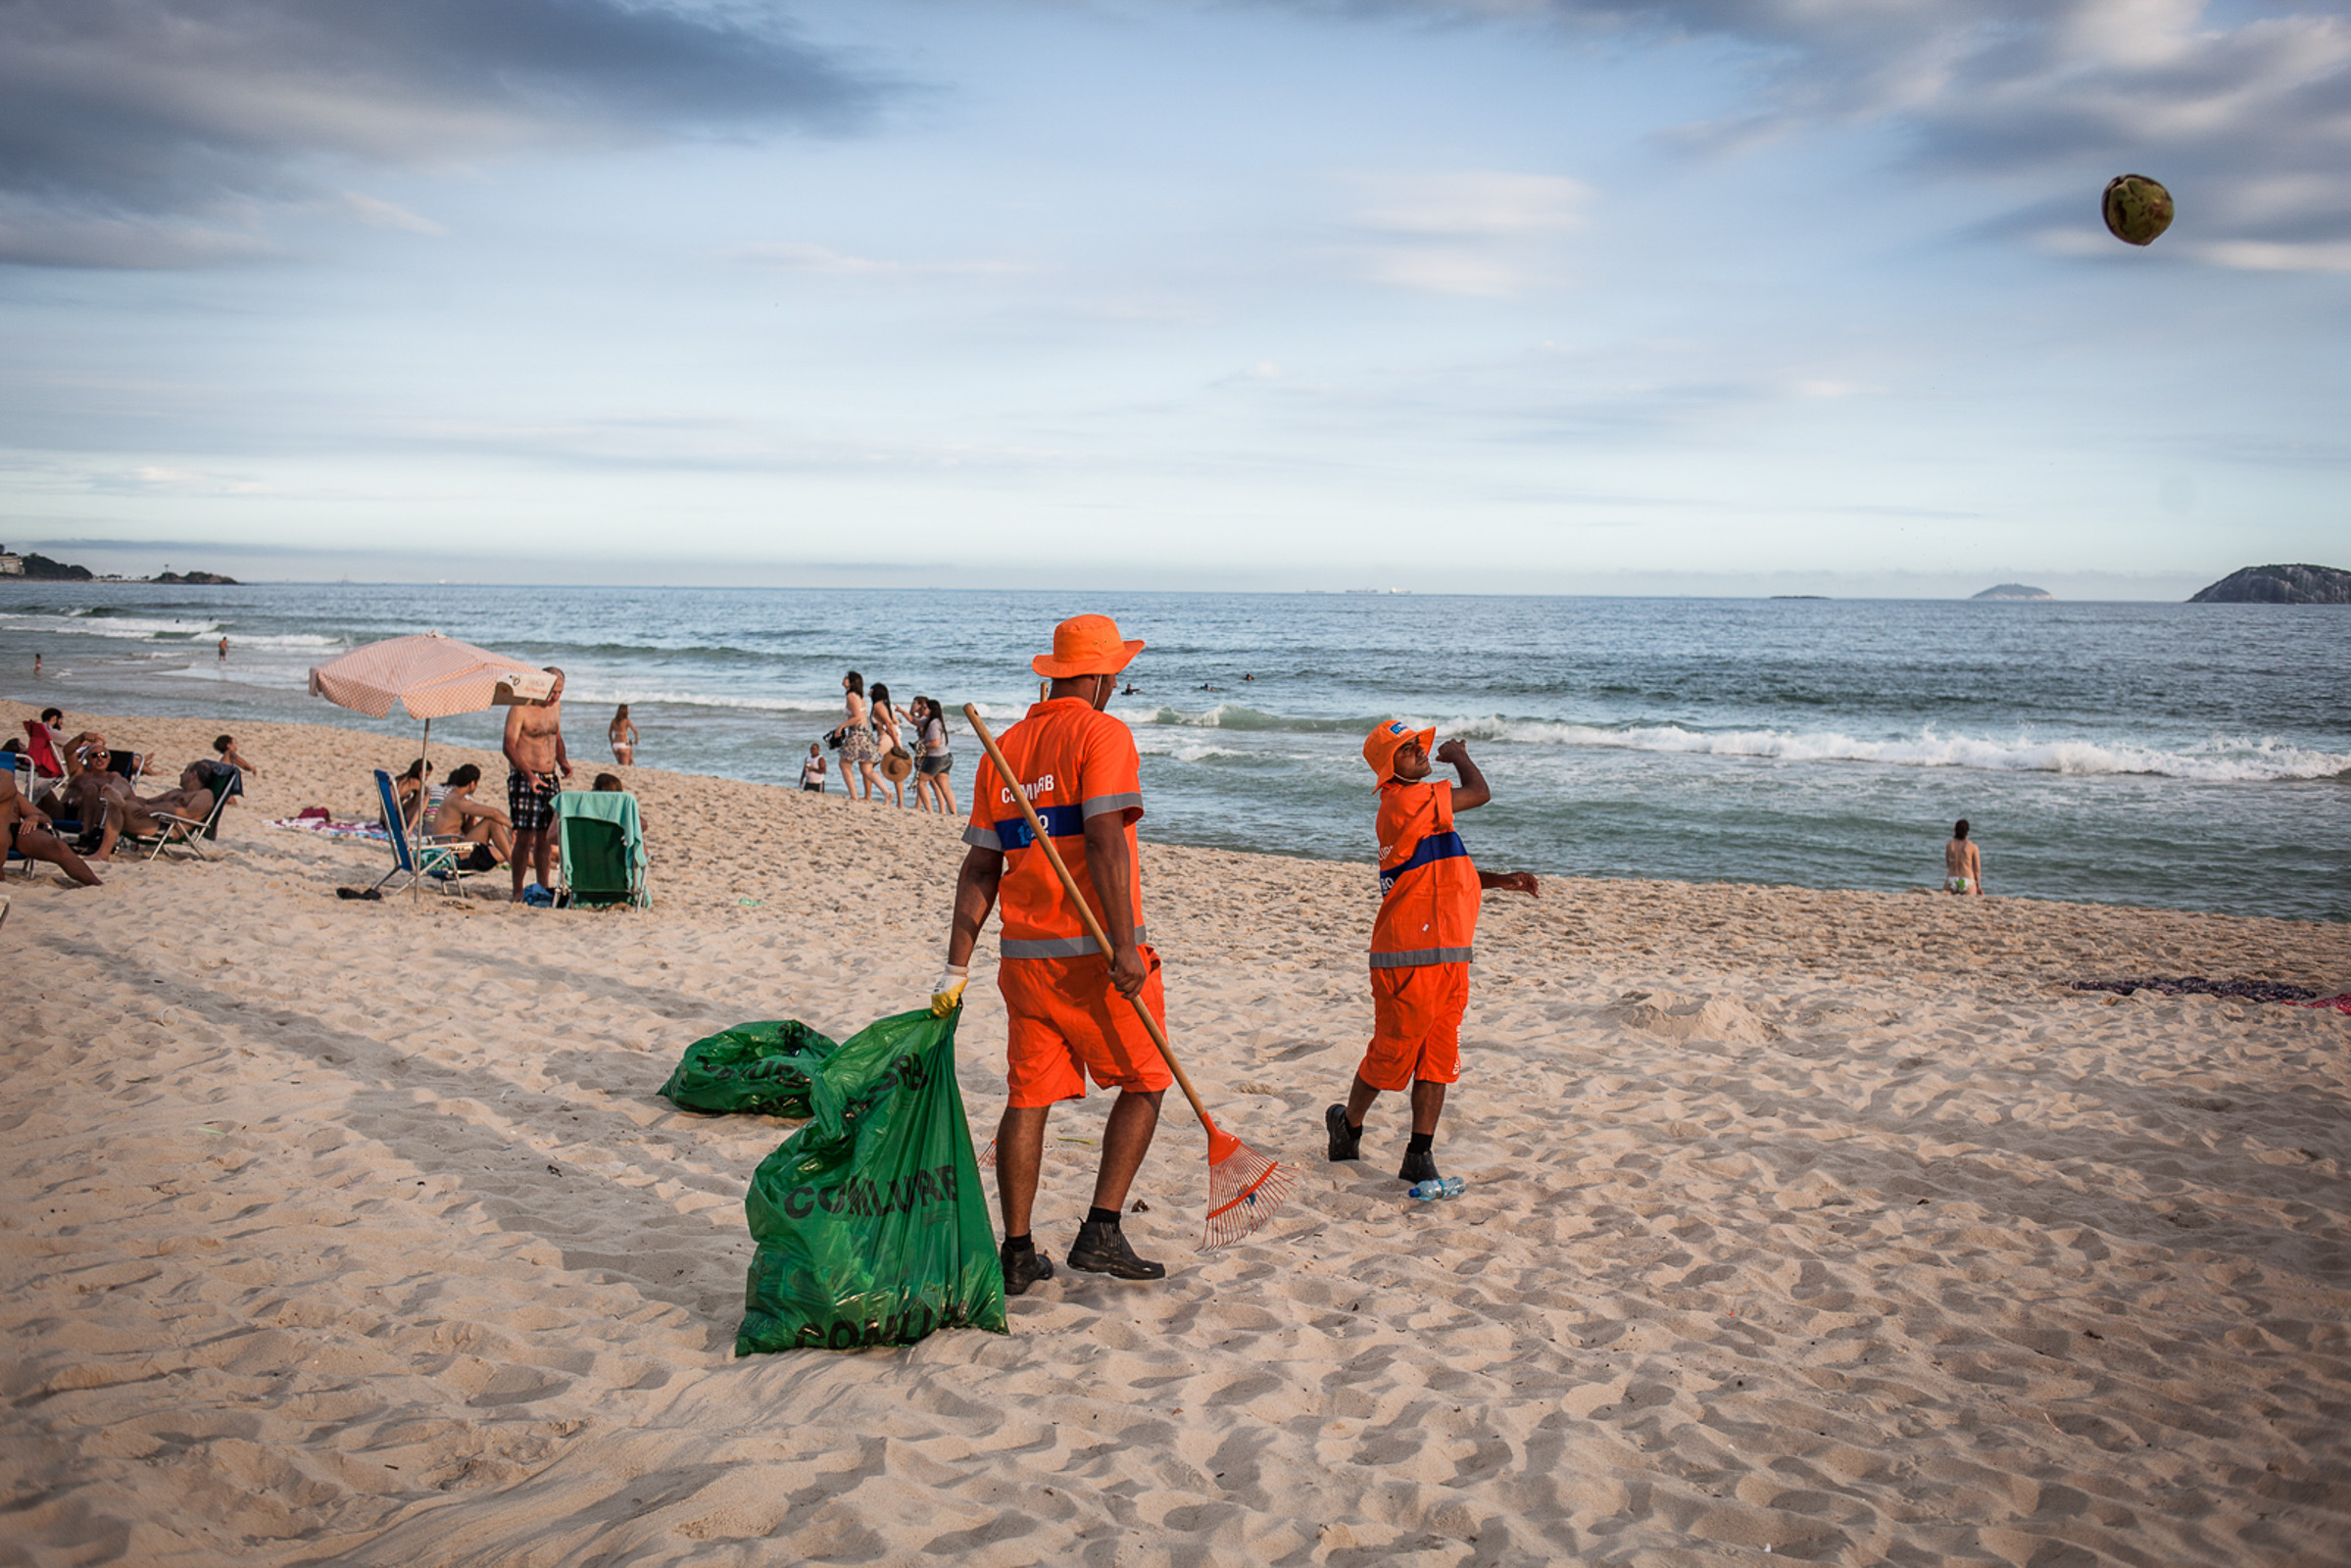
(1086, 645)
(1385, 741)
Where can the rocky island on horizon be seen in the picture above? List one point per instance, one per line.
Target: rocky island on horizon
(33, 566)
(2279, 585)
(2014, 590)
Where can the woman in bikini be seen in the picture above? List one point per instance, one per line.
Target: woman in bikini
(888, 739)
(1963, 866)
(624, 737)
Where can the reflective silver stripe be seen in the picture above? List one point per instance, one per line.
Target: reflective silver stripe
(1419, 956)
(982, 837)
(1059, 947)
(1096, 805)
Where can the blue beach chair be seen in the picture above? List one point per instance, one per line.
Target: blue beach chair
(410, 858)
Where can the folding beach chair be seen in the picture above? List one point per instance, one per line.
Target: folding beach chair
(190, 832)
(434, 858)
(602, 847)
(226, 782)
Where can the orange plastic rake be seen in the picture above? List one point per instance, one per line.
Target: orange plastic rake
(1245, 1189)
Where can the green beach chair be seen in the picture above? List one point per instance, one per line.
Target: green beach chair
(602, 848)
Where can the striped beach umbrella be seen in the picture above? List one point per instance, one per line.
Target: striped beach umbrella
(432, 676)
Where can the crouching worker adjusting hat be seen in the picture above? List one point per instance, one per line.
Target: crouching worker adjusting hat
(1086, 645)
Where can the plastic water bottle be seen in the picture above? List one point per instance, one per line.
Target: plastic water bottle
(1442, 1187)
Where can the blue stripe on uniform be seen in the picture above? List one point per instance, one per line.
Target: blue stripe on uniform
(1436, 846)
(1061, 822)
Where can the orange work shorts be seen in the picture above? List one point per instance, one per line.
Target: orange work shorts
(1415, 1025)
(1066, 1022)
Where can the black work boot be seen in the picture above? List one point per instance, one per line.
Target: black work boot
(1347, 1143)
(1102, 1249)
(1023, 1268)
(1420, 1165)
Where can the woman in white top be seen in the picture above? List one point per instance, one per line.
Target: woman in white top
(812, 771)
(933, 760)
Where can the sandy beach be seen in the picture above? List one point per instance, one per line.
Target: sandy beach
(1827, 1223)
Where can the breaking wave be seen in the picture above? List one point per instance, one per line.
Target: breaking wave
(2220, 759)
(94, 623)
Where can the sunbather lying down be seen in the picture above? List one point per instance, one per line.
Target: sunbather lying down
(139, 816)
(27, 827)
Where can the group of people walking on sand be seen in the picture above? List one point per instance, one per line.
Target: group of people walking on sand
(882, 746)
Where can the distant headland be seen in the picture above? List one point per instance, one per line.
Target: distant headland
(2279, 585)
(33, 566)
(2014, 590)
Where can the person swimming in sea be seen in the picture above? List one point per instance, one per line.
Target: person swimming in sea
(1963, 864)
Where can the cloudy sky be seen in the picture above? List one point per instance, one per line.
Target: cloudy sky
(1704, 295)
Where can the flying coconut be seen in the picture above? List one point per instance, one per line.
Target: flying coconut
(2137, 208)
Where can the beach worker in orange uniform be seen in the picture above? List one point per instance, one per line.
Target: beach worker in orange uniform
(1421, 940)
(1070, 1017)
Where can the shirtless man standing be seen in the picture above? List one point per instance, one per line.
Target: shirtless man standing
(1963, 864)
(534, 752)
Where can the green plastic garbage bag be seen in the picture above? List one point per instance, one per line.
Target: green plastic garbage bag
(870, 1222)
(766, 1068)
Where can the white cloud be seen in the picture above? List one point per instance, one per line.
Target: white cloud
(2258, 256)
(798, 255)
(156, 478)
(1473, 204)
(1480, 233)
(379, 214)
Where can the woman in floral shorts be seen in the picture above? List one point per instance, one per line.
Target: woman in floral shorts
(858, 748)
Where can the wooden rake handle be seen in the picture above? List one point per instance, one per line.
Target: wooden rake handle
(1094, 927)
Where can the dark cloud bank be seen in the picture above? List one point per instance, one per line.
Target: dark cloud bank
(158, 132)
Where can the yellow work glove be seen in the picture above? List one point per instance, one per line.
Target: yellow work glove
(948, 995)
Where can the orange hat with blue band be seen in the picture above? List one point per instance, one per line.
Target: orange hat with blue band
(1086, 645)
(1383, 742)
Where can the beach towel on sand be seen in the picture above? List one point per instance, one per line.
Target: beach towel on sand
(870, 1222)
(764, 1068)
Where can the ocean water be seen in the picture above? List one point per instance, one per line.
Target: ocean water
(2191, 756)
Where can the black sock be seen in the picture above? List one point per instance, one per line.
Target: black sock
(1421, 1144)
(1103, 1216)
(1355, 1129)
(1020, 1244)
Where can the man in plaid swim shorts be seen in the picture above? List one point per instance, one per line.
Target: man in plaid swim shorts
(534, 751)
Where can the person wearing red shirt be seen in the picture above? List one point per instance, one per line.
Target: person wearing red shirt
(1071, 1012)
(1421, 940)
